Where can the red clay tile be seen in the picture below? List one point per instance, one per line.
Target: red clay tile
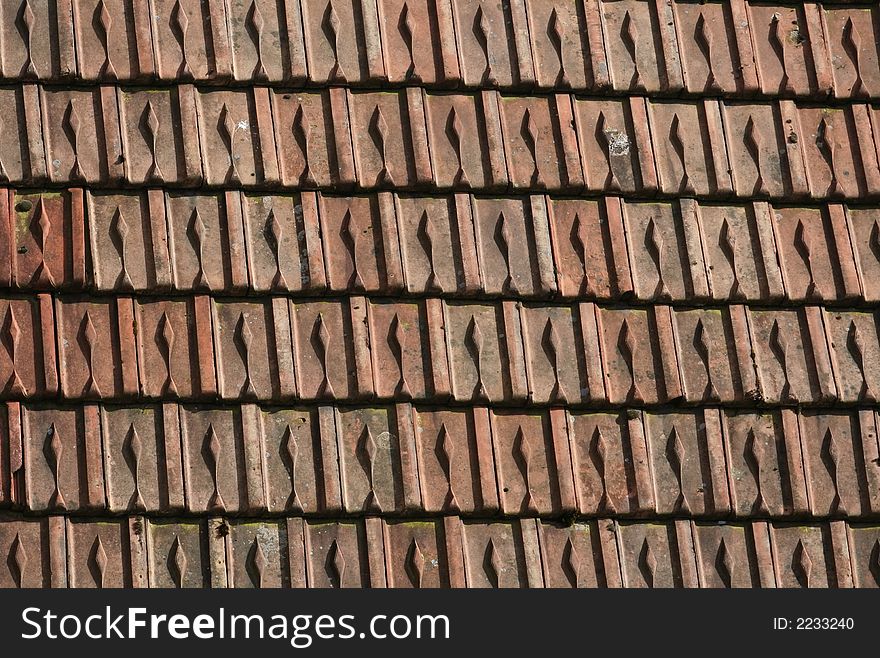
(686, 142)
(176, 553)
(382, 133)
(352, 230)
(168, 349)
(479, 344)
(89, 330)
(401, 365)
(213, 446)
(23, 159)
(46, 239)
(334, 41)
(183, 38)
(461, 129)
(306, 135)
(416, 554)
(293, 453)
(206, 242)
(855, 350)
(555, 352)
(660, 251)
(456, 470)
(706, 349)
(82, 137)
(26, 367)
(803, 556)
(485, 38)
(862, 541)
(26, 542)
(615, 150)
(583, 555)
(437, 246)
(764, 464)
(631, 356)
(132, 443)
(657, 555)
(283, 244)
(506, 234)
(834, 464)
(785, 356)
(740, 252)
(725, 556)
(129, 245)
(62, 449)
(257, 554)
(852, 36)
(687, 463)
(533, 143)
(831, 154)
(495, 554)
(786, 48)
(369, 450)
(37, 41)
(335, 554)
(259, 45)
(113, 40)
(416, 41)
(756, 143)
(325, 353)
(560, 45)
(708, 47)
(230, 130)
(528, 476)
(159, 136)
(631, 55)
(609, 462)
(246, 342)
(584, 266)
(864, 232)
(10, 441)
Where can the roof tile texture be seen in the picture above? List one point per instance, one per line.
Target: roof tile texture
(459, 293)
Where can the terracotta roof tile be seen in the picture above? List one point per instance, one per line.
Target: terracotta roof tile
(372, 293)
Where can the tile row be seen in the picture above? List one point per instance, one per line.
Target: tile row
(489, 462)
(730, 47)
(199, 348)
(459, 245)
(416, 139)
(434, 553)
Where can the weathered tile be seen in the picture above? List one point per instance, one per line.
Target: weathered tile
(725, 556)
(325, 353)
(336, 554)
(764, 464)
(178, 553)
(97, 356)
(415, 554)
(258, 551)
(456, 468)
(370, 449)
(528, 477)
(494, 554)
(292, 454)
(657, 555)
(206, 242)
(687, 463)
(213, 450)
(610, 463)
(25, 542)
(803, 556)
(99, 554)
(133, 442)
